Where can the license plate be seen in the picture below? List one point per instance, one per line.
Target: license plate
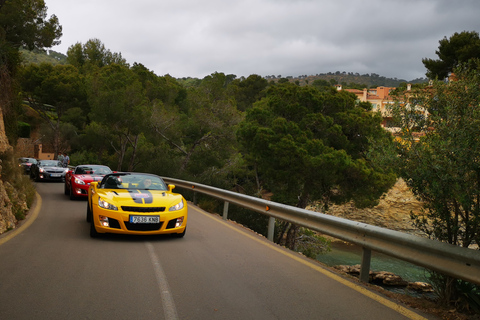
(55, 175)
(144, 219)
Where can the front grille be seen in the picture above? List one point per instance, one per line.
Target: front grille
(54, 171)
(143, 226)
(143, 209)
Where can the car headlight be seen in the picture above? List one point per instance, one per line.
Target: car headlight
(105, 205)
(40, 170)
(176, 207)
(79, 181)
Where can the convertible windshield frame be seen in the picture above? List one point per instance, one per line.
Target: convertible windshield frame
(132, 181)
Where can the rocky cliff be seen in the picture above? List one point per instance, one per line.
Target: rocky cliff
(392, 212)
(10, 199)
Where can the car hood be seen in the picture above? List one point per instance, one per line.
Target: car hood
(134, 197)
(50, 168)
(89, 177)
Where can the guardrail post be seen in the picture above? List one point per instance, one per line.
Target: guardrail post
(195, 198)
(365, 266)
(271, 228)
(225, 210)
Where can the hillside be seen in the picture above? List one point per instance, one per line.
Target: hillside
(38, 57)
(347, 79)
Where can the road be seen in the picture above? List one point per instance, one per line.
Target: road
(50, 268)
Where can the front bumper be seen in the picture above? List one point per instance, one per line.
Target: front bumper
(108, 221)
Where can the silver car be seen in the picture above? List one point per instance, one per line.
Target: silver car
(48, 170)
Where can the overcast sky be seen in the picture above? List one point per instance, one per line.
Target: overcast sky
(195, 38)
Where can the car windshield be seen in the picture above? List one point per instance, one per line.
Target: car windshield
(93, 169)
(133, 181)
(28, 160)
(49, 163)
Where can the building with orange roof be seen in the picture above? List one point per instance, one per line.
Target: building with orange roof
(379, 98)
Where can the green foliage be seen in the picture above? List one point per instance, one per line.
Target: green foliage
(310, 244)
(464, 296)
(308, 145)
(119, 105)
(442, 168)
(53, 91)
(249, 90)
(439, 154)
(25, 23)
(458, 49)
(23, 130)
(92, 55)
(41, 56)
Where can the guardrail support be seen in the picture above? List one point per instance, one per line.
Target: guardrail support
(195, 198)
(225, 210)
(271, 228)
(365, 266)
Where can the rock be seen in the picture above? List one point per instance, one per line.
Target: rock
(392, 212)
(420, 287)
(7, 218)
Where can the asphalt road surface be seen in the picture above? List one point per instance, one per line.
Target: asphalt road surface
(50, 268)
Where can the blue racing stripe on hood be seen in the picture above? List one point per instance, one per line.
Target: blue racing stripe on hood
(141, 196)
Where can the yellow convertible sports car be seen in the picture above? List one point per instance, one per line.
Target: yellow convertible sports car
(135, 203)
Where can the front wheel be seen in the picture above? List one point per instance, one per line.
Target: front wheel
(180, 235)
(89, 213)
(93, 231)
(66, 189)
(72, 195)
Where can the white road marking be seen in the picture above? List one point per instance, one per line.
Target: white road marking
(167, 299)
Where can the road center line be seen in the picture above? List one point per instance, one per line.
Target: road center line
(167, 300)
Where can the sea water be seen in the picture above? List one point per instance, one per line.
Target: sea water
(346, 254)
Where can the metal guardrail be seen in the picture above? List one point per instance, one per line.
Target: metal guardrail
(458, 262)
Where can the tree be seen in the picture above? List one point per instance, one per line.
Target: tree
(25, 23)
(439, 158)
(305, 145)
(249, 90)
(204, 133)
(119, 105)
(93, 54)
(52, 91)
(22, 23)
(458, 49)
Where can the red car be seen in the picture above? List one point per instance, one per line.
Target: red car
(78, 180)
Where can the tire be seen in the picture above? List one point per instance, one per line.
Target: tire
(180, 235)
(66, 190)
(72, 195)
(93, 231)
(89, 213)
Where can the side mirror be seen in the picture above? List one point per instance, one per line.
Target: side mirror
(171, 187)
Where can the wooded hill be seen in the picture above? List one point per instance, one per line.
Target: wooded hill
(347, 79)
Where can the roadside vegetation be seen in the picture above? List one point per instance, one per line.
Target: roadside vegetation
(279, 139)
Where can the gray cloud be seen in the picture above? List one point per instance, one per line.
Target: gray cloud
(268, 37)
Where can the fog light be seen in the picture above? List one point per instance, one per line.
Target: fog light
(104, 221)
(179, 222)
